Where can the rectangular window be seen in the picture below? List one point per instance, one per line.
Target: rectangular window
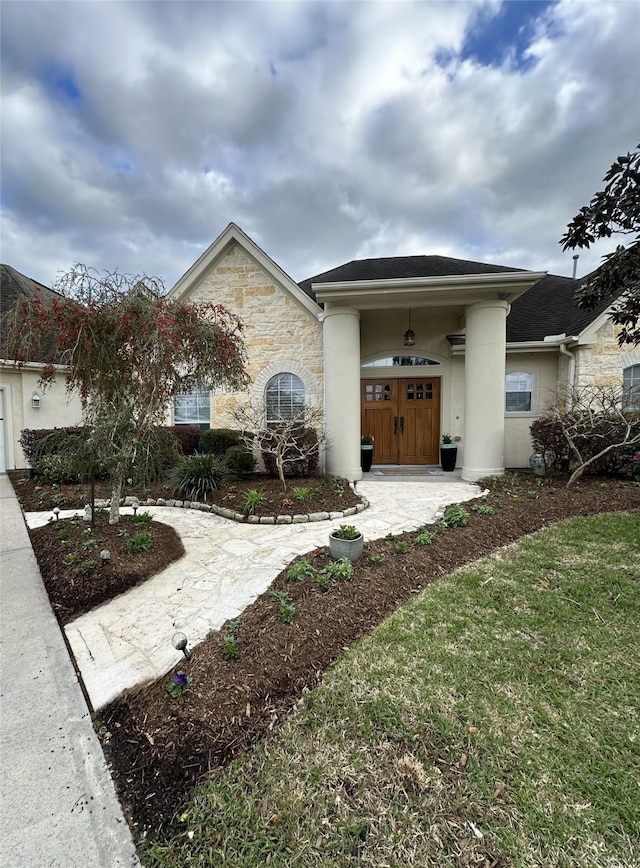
(192, 408)
(519, 387)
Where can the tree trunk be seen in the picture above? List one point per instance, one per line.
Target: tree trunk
(116, 491)
(280, 466)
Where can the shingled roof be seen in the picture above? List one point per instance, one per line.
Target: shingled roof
(547, 308)
(15, 285)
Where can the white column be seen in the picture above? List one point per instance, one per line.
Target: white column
(484, 394)
(341, 336)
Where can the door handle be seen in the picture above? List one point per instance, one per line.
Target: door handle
(395, 424)
(402, 424)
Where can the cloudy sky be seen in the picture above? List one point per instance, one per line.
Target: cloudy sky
(133, 132)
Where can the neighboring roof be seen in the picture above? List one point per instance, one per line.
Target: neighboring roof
(547, 308)
(15, 285)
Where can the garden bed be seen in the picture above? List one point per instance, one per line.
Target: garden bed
(160, 747)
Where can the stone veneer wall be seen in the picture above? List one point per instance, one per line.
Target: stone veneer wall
(279, 333)
(603, 362)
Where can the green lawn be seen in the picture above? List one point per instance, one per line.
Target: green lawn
(493, 720)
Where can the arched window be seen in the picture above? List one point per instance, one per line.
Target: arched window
(400, 361)
(284, 398)
(519, 388)
(631, 387)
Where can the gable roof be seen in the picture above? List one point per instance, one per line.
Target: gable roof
(216, 250)
(548, 308)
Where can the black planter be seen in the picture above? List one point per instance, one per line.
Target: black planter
(448, 456)
(366, 458)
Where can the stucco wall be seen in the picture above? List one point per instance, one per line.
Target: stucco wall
(517, 436)
(278, 331)
(56, 410)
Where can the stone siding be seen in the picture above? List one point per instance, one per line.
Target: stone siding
(601, 363)
(278, 331)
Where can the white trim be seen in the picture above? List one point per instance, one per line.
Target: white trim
(403, 370)
(216, 251)
(285, 366)
(9, 451)
(448, 290)
(534, 373)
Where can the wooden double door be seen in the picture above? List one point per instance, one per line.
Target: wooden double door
(403, 417)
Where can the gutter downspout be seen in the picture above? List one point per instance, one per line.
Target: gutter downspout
(571, 375)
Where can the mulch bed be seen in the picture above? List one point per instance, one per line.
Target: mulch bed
(160, 747)
(75, 576)
(324, 495)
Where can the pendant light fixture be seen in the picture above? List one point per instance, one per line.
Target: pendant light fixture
(409, 335)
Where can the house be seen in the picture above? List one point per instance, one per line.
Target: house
(401, 348)
(404, 349)
(23, 402)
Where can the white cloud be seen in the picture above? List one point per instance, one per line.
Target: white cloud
(134, 132)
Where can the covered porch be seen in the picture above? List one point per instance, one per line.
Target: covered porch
(364, 323)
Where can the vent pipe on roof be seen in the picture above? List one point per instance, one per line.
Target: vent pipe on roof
(576, 256)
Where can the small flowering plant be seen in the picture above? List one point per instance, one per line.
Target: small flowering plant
(287, 502)
(178, 684)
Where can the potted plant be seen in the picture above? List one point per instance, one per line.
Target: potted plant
(366, 452)
(448, 453)
(346, 542)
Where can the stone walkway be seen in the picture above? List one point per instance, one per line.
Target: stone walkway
(227, 565)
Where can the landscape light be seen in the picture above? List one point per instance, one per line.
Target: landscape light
(56, 512)
(105, 556)
(179, 642)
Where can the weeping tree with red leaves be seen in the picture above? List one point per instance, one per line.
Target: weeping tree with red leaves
(127, 352)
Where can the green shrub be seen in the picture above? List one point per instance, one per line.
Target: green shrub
(322, 581)
(300, 493)
(425, 538)
(401, 547)
(139, 543)
(340, 570)
(142, 518)
(483, 509)
(287, 606)
(346, 531)
(155, 453)
(36, 442)
(300, 571)
(456, 516)
(590, 438)
(241, 460)
(230, 647)
(187, 436)
(376, 560)
(252, 500)
(218, 441)
(196, 476)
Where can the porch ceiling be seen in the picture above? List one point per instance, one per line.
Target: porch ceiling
(455, 291)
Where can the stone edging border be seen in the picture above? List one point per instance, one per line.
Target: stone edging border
(231, 514)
